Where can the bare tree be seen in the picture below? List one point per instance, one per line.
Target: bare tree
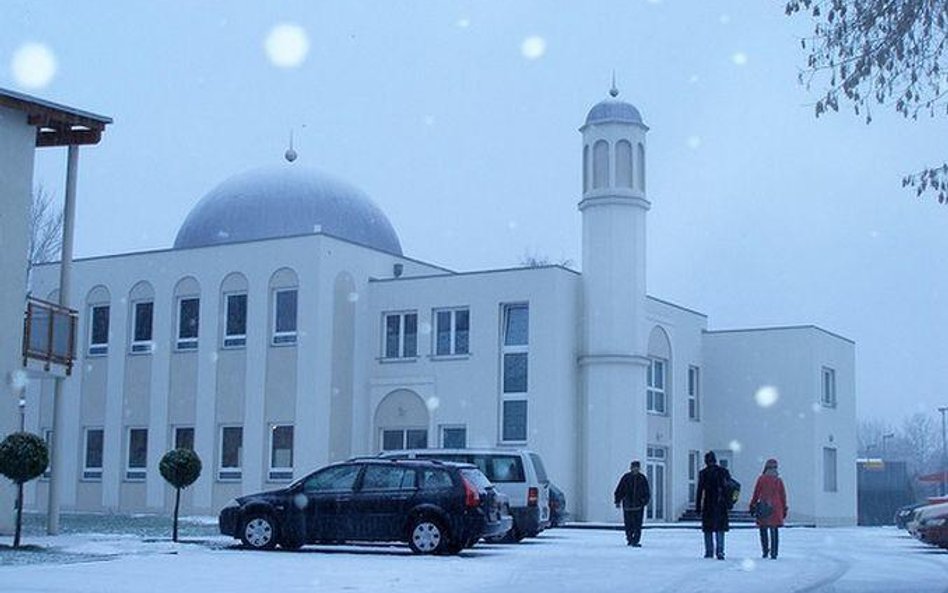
(535, 260)
(869, 436)
(922, 439)
(46, 228)
(890, 53)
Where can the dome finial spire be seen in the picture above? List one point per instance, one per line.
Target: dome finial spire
(290, 154)
(614, 91)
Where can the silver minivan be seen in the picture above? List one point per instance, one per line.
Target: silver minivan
(518, 473)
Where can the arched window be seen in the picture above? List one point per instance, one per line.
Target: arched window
(658, 372)
(234, 306)
(187, 303)
(640, 165)
(585, 168)
(141, 301)
(624, 164)
(600, 164)
(283, 298)
(97, 302)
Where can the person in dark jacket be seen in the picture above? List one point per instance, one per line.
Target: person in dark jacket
(712, 505)
(769, 507)
(633, 495)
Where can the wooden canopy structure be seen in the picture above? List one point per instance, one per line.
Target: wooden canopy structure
(56, 125)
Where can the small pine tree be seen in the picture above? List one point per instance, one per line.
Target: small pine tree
(23, 456)
(180, 468)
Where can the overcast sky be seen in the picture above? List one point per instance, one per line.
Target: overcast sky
(460, 120)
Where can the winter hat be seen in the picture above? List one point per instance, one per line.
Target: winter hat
(771, 463)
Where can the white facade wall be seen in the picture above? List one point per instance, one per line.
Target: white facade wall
(17, 145)
(797, 426)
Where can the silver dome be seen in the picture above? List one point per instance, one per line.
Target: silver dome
(613, 110)
(282, 201)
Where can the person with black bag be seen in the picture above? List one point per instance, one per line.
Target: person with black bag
(714, 499)
(633, 495)
(769, 506)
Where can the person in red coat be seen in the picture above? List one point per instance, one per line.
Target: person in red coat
(769, 506)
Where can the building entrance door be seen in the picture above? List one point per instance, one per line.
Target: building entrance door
(655, 472)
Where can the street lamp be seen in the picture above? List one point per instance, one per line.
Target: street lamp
(885, 438)
(944, 453)
(22, 405)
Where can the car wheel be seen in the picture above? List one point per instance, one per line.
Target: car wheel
(259, 532)
(427, 536)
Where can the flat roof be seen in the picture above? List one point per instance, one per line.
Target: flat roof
(779, 328)
(56, 125)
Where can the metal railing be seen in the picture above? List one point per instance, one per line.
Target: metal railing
(49, 334)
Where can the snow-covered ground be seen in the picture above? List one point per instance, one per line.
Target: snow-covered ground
(568, 560)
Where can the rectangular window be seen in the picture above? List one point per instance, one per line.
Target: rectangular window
(284, 317)
(184, 438)
(453, 437)
(235, 320)
(515, 420)
(92, 460)
(412, 438)
(232, 446)
(515, 332)
(99, 330)
(452, 327)
(829, 469)
(142, 327)
(401, 335)
(189, 311)
(655, 392)
(694, 390)
(829, 388)
(137, 454)
(281, 452)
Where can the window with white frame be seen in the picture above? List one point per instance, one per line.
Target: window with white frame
(515, 332)
(829, 470)
(454, 437)
(401, 335)
(92, 455)
(137, 459)
(828, 397)
(142, 315)
(404, 438)
(452, 329)
(99, 330)
(189, 312)
(655, 391)
(184, 437)
(693, 469)
(694, 393)
(235, 320)
(281, 452)
(231, 453)
(284, 316)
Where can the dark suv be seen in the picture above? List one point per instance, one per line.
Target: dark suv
(436, 507)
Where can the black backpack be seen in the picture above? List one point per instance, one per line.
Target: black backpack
(731, 492)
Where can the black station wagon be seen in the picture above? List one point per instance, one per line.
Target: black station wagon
(436, 507)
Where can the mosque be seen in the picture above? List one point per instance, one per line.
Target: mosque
(286, 329)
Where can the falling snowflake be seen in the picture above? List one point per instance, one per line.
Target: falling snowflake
(463, 23)
(694, 78)
(286, 45)
(694, 142)
(766, 396)
(735, 446)
(739, 58)
(533, 47)
(432, 403)
(424, 328)
(19, 380)
(33, 65)
(724, 19)
(816, 407)
(512, 225)
(300, 501)
(429, 120)
(748, 564)
(353, 297)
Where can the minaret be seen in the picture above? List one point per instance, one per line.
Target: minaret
(613, 362)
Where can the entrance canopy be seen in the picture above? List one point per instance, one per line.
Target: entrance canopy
(56, 125)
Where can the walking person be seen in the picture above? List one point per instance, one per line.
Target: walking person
(769, 506)
(711, 502)
(633, 495)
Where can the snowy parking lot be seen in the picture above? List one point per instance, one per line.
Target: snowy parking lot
(838, 560)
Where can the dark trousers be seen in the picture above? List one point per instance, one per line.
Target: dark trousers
(715, 547)
(769, 547)
(633, 525)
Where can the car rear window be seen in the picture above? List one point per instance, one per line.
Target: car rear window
(501, 468)
(538, 465)
(436, 479)
(476, 477)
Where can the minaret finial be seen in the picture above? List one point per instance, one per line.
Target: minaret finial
(290, 154)
(614, 91)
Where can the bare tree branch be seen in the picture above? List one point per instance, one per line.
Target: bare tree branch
(46, 228)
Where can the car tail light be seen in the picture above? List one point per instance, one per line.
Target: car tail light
(533, 497)
(471, 498)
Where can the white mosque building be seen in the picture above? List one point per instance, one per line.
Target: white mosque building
(286, 329)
